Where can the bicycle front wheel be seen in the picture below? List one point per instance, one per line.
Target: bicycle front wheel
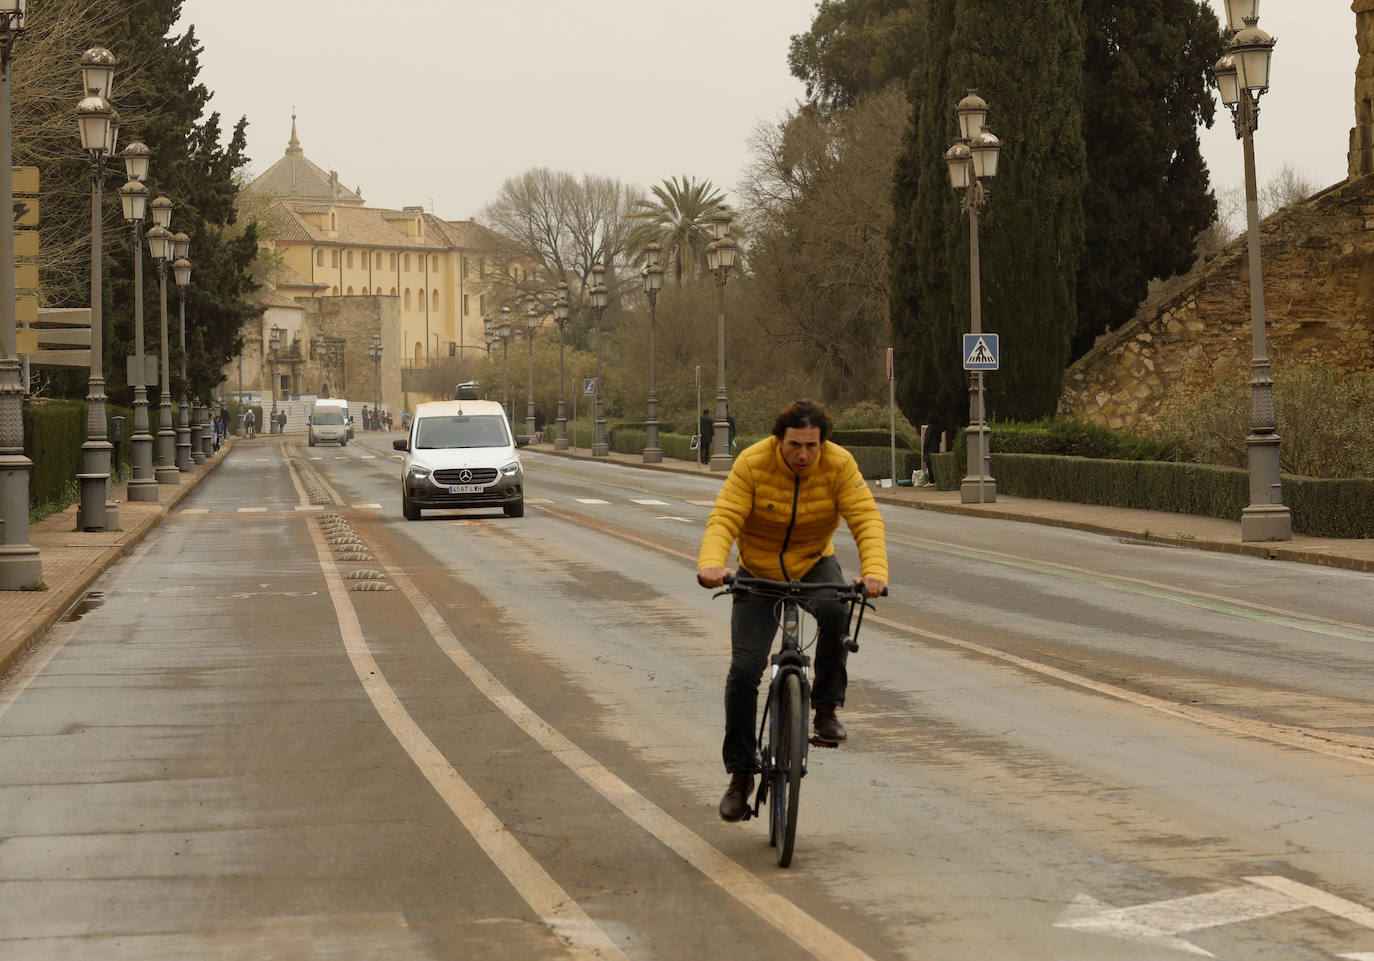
(791, 734)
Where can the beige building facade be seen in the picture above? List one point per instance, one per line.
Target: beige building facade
(419, 276)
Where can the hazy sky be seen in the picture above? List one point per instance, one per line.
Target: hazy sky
(437, 103)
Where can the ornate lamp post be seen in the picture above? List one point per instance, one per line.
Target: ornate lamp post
(560, 317)
(133, 197)
(20, 565)
(160, 246)
(653, 283)
(720, 257)
(971, 160)
(1242, 78)
(531, 324)
(374, 350)
(273, 354)
(95, 117)
(504, 331)
(598, 299)
(181, 246)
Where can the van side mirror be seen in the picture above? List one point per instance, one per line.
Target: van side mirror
(402, 444)
(522, 440)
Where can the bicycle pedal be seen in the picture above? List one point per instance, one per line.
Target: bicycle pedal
(819, 743)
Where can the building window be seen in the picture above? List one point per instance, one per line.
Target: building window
(393, 265)
(350, 291)
(434, 263)
(482, 304)
(465, 305)
(407, 299)
(333, 258)
(466, 269)
(364, 291)
(434, 302)
(379, 260)
(407, 262)
(319, 258)
(393, 291)
(336, 291)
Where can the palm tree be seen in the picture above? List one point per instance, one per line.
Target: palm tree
(679, 218)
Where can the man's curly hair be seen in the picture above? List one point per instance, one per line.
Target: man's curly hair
(801, 414)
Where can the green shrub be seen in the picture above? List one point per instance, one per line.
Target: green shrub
(54, 431)
(868, 437)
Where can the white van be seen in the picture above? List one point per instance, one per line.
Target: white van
(459, 454)
(329, 422)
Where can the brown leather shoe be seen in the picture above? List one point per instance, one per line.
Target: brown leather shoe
(736, 800)
(827, 725)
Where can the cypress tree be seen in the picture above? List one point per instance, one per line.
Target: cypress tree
(1027, 63)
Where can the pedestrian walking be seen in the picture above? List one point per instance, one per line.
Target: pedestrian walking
(930, 444)
(704, 427)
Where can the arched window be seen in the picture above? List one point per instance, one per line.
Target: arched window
(393, 265)
(407, 262)
(348, 261)
(393, 291)
(434, 263)
(364, 291)
(435, 305)
(350, 291)
(419, 352)
(406, 305)
(333, 222)
(319, 258)
(336, 291)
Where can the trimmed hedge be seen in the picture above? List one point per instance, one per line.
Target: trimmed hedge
(869, 438)
(1320, 507)
(54, 431)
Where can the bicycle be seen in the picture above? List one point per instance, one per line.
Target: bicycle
(781, 755)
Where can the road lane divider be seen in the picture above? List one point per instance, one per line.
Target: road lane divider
(809, 934)
(583, 938)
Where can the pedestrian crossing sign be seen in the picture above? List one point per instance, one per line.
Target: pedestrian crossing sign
(981, 352)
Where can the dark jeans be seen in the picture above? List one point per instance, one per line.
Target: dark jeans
(753, 625)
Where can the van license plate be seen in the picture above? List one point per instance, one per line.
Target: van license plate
(465, 488)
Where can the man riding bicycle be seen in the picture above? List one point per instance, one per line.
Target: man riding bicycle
(782, 503)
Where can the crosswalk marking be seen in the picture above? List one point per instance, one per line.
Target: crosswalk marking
(649, 502)
(590, 500)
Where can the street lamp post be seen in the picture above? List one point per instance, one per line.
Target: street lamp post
(531, 324)
(970, 161)
(181, 246)
(560, 317)
(374, 351)
(274, 354)
(504, 331)
(488, 333)
(600, 448)
(20, 565)
(1242, 78)
(95, 117)
(134, 198)
(653, 283)
(160, 246)
(720, 257)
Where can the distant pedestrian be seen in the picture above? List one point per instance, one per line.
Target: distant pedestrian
(388, 420)
(705, 426)
(248, 423)
(930, 445)
(730, 420)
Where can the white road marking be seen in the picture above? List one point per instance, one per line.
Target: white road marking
(649, 502)
(1160, 922)
(796, 923)
(552, 904)
(309, 507)
(590, 500)
(367, 457)
(367, 507)
(317, 458)
(680, 520)
(702, 503)
(196, 510)
(537, 500)
(252, 510)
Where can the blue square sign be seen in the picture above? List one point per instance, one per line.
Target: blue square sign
(981, 352)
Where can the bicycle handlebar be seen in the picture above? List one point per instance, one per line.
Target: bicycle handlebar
(763, 585)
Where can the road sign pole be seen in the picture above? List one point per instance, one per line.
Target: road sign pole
(20, 566)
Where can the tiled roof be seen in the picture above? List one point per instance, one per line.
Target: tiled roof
(294, 177)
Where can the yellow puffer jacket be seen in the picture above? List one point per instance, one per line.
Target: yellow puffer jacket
(784, 523)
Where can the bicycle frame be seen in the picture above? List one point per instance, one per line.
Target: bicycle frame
(788, 659)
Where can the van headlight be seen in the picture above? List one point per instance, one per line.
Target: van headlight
(417, 472)
(510, 470)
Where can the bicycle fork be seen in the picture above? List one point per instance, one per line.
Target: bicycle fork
(788, 660)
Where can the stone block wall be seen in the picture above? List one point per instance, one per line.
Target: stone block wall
(1318, 265)
(1362, 134)
(356, 319)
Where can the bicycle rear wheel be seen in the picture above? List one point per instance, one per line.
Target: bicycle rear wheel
(790, 734)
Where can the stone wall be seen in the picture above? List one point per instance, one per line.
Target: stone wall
(1318, 265)
(1362, 134)
(356, 319)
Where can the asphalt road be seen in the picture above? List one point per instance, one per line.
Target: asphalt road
(294, 725)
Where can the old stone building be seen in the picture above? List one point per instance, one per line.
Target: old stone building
(1318, 268)
(346, 272)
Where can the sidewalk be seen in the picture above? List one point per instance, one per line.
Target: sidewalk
(73, 559)
(1156, 527)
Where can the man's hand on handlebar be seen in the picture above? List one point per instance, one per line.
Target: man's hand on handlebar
(713, 577)
(875, 586)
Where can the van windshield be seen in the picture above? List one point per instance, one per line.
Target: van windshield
(327, 415)
(461, 430)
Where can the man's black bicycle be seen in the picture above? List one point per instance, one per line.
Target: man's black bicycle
(780, 755)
